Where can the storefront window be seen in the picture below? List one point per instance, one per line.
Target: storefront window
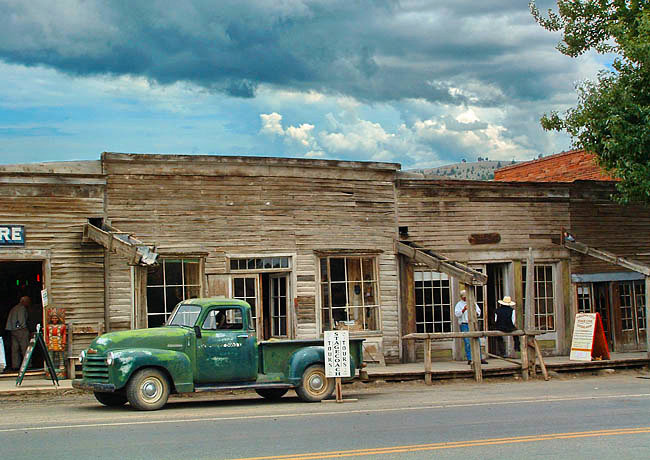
(168, 283)
(432, 302)
(584, 298)
(544, 296)
(349, 293)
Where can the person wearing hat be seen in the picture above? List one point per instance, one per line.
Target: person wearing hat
(504, 319)
(461, 313)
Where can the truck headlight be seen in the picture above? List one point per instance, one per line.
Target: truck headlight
(110, 357)
(82, 356)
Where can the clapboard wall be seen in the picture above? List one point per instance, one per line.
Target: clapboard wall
(442, 215)
(53, 202)
(221, 206)
(601, 223)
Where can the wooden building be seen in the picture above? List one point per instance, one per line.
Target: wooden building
(50, 204)
(490, 227)
(311, 244)
(617, 293)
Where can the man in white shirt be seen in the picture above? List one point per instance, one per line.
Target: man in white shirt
(17, 326)
(461, 313)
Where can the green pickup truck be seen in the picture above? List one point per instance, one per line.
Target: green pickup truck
(206, 345)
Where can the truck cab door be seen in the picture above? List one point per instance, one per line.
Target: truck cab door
(226, 350)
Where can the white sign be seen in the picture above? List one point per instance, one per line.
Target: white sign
(337, 354)
(45, 298)
(583, 337)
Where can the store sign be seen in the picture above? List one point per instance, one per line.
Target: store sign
(337, 354)
(12, 235)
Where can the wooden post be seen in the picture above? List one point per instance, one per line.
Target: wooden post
(475, 342)
(529, 323)
(524, 356)
(427, 362)
(542, 366)
(647, 317)
(339, 391)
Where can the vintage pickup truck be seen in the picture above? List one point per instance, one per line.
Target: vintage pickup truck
(207, 344)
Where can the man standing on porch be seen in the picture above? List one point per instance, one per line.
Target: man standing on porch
(461, 313)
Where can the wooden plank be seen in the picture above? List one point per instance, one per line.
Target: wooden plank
(475, 343)
(427, 362)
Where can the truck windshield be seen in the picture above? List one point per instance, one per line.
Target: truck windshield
(185, 315)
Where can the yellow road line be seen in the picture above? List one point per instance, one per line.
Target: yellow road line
(453, 445)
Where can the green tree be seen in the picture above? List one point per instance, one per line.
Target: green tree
(612, 116)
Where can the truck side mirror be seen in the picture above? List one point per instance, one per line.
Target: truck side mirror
(197, 331)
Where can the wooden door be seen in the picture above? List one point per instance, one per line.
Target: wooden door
(625, 312)
(602, 306)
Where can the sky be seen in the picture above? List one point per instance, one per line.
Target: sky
(422, 83)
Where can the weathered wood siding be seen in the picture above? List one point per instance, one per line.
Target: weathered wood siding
(441, 215)
(54, 206)
(242, 205)
(599, 222)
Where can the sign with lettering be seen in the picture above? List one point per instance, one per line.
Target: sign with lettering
(12, 235)
(337, 354)
(588, 338)
(45, 299)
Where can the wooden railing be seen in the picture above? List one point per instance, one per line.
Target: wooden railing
(528, 338)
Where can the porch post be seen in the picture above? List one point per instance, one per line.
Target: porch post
(647, 317)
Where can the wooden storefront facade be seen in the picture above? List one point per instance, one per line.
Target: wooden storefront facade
(619, 295)
(311, 244)
(489, 227)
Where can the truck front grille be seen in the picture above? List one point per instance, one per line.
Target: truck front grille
(95, 369)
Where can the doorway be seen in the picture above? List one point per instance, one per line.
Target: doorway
(269, 295)
(488, 295)
(18, 279)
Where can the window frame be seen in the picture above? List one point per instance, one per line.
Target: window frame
(325, 282)
(196, 285)
(422, 326)
(545, 298)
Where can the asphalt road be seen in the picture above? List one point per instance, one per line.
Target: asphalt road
(587, 417)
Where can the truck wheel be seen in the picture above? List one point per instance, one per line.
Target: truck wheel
(314, 386)
(148, 389)
(272, 394)
(111, 399)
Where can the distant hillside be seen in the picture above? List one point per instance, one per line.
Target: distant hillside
(477, 170)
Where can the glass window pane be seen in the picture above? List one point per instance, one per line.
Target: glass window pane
(368, 268)
(354, 269)
(337, 269)
(191, 272)
(155, 275)
(323, 270)
(173, 272)
(155, 300)
(238, 287)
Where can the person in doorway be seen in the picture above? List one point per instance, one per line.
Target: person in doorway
(17, 326)
(504, 319)
(461, 313)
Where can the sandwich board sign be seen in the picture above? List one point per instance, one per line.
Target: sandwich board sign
(589, 340)
(37, 341)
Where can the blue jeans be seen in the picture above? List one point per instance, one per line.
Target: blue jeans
(464, 327)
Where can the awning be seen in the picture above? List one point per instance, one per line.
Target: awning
(441, 264)
(121, 243)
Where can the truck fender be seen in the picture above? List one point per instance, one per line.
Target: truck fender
(174, 363)
(305, 357)
(302, 359)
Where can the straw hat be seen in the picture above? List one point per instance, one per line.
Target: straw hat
(507, 301)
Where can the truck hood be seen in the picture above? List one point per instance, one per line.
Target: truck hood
(165, 338)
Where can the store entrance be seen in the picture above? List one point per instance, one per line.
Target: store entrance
(18, 279)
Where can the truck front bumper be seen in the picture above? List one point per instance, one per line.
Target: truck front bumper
(80, 384)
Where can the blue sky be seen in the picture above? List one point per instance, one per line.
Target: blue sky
(418, 82)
